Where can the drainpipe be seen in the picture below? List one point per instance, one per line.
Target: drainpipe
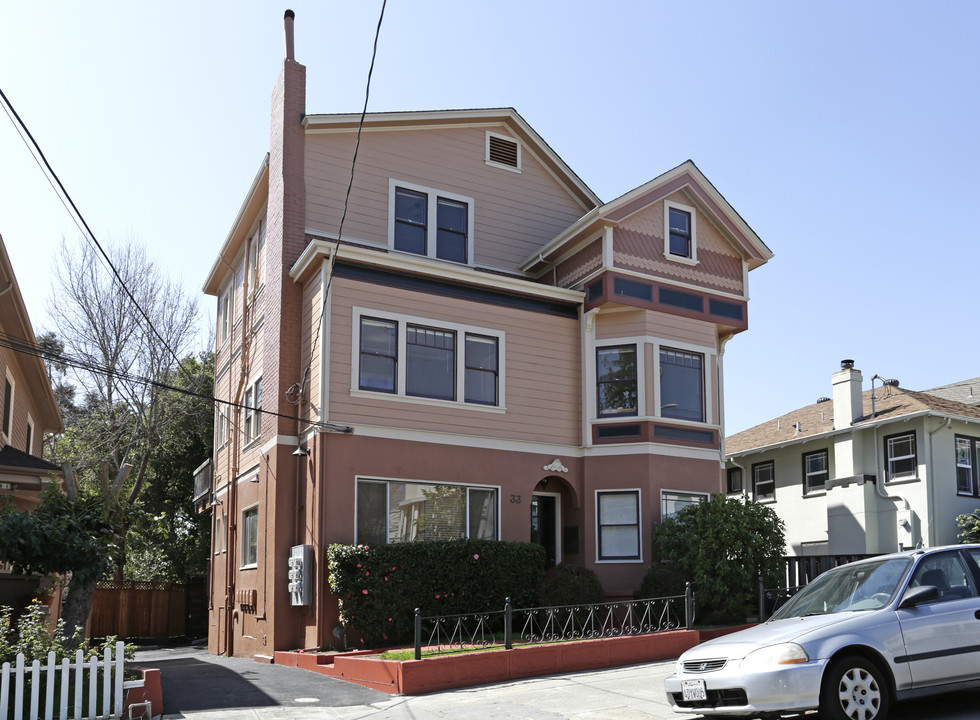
(930, 483)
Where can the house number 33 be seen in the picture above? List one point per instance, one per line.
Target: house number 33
(516, 499)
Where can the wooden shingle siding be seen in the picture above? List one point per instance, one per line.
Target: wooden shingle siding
(541, 368)
(515, 213)
(647, 323)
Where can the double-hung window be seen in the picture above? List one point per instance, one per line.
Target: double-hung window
(393, 511)
(816, 471)
(967, 465)
(252, 423)
(900, 457)
(764, 481)
(8, 406)
(680, 233)
(681, 385)
(616, 384)
(672, 502)
(618, 521)
(410, 357)
(250, 537)
(733, 482)
(431, 223)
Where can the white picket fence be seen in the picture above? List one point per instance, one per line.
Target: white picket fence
(71, 678)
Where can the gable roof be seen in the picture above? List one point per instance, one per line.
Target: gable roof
(685, 176)
(964, 391)
(817, 420)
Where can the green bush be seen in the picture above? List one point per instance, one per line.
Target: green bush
(379, 587)
(569, 585)
(31, 636)
(723, 546)
(969, 525)
(662, 580)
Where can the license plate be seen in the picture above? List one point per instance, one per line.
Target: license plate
(692, 690)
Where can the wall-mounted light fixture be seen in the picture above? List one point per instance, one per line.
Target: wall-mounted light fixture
(301, 452)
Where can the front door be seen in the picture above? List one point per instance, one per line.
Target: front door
(544, 526)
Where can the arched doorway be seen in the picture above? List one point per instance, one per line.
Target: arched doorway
(546, 519)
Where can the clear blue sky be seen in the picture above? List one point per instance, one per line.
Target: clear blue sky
(845, 133)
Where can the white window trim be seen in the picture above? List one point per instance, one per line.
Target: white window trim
(248, 566)
(693, 260)
(908, 477)
(706, 380)
(807, 490)
(221, 438)
(224, 318)
(639, 525)
(755, 495)
(432, 196)
(30, 432)
(7, 432)
(221, 535)
(400, 374)
(506, 138)
(249, 427)
(639, 344)
(704, 497)
(256, 252)
(387, 480)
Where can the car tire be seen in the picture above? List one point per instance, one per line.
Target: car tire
(854, 689)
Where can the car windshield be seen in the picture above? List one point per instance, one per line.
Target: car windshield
(867, 586)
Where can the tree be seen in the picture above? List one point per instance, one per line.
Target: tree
(123, 329)
(723, 545)
(969, 525)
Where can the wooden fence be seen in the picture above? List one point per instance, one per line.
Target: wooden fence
(63, 689)
(132, 609)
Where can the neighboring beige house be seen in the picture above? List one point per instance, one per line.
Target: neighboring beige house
(964, 391)
(484, 329)
(28, 410)
(863, 471)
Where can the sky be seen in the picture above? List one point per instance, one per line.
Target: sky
(846, 134)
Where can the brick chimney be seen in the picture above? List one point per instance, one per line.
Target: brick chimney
(848, 402)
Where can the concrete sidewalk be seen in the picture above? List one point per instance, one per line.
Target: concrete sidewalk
(245, 689)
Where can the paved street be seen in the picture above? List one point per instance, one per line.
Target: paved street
(204, 687)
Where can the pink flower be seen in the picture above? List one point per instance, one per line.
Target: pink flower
(367, 574)
(386, 578)
(476, 557)
(364, 591)
(358, 564)
(389, 619)
(437, 596)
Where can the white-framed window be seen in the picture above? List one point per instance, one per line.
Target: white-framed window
(221, 438)
(816, 471)
(413, 357)
(9, 387)
(29, 442)
(503, 151)
(256, 256)
(900, 457)
(967, 465)
(396, 511)
(237, 306)
(617, 391)
(673, 501)
(251, 413)
(680, 233)
(219, 533)
(428, 222)
(764, 481)
(250, 537)
(681, 385)
(618, 526)
(224, 317)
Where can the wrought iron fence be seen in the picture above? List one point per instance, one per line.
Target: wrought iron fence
(443, 634)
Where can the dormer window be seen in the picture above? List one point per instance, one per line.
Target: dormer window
(681, 239)
(428, 222)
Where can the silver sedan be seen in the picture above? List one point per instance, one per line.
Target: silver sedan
(850, 643)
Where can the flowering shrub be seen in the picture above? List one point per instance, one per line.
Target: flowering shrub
(379, 587)
(30, 635)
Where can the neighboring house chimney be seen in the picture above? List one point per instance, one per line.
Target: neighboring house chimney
(848, 402)
(287, 23)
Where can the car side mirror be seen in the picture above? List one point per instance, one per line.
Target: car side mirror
(918, 595)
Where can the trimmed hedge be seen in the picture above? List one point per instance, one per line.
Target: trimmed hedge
(379, 587)
(570, 585)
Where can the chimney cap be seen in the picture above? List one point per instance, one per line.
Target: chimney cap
(289, 14)
(846, 364)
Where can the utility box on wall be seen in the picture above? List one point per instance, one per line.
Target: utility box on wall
(300, 571)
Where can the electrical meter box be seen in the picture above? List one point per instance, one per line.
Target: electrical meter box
(300, 574)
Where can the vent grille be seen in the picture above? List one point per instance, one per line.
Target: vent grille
(503, 151)
(701, 666)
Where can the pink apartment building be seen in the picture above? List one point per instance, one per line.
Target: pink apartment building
(483, 327)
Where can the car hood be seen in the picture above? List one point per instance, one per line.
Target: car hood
(738, 644)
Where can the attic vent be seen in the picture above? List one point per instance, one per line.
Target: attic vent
(504, 151)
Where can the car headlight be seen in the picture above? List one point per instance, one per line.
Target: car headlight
(774, 656)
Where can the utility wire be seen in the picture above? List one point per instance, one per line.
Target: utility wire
(350, 185)
(52, 177)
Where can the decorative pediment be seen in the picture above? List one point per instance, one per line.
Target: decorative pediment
(555, 467)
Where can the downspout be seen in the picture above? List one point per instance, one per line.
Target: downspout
(554, 269)
(930, 483)
(880, 476)
(720, 384)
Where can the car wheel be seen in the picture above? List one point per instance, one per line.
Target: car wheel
(854, 689)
